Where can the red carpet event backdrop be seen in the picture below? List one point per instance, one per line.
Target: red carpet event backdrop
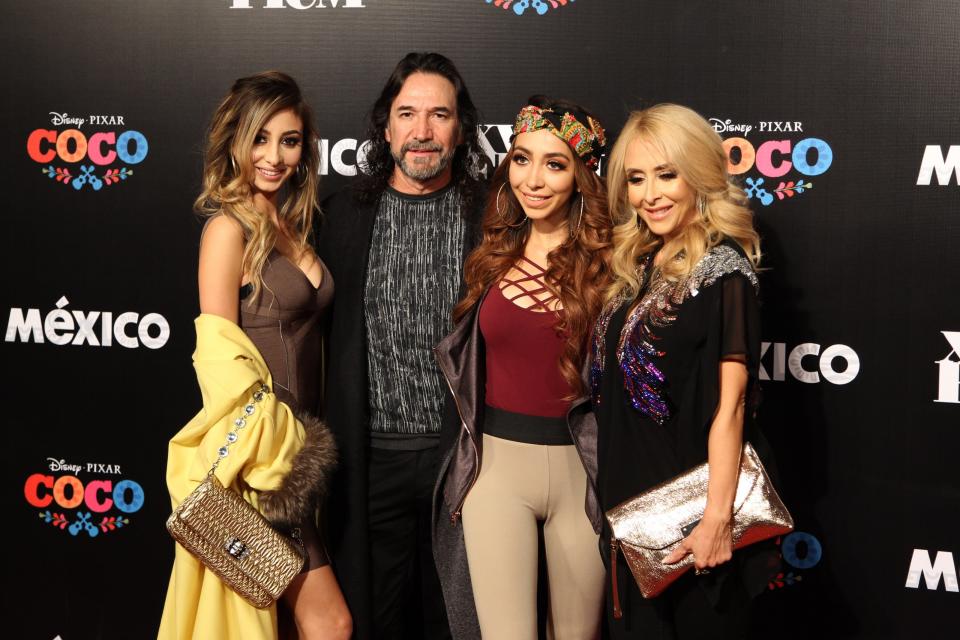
(840, 118)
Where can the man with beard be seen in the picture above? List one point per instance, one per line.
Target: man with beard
(394, 243)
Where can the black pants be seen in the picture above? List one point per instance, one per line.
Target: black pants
(682, 612)
(407, 601)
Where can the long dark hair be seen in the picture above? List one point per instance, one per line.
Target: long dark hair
(379, 164)
(578, 271)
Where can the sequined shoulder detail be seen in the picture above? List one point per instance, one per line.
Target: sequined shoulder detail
(716, 263)
(659, 304)
(644, 382)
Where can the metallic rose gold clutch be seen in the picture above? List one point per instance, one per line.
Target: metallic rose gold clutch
(651, 525)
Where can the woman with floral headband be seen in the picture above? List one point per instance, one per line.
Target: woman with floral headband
(522, 449)
(674, 366)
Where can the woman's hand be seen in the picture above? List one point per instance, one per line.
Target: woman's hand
(710, 542)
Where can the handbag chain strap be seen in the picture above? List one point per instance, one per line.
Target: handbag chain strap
(239, 423)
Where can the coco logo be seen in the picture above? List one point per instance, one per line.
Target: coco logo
(774, 158)
(59, 494)
(95, 159)
(807, 363)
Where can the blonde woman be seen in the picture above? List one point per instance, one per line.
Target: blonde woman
(675, 358)
(263, 293)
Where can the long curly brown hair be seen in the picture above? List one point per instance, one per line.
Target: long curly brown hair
(578, 270)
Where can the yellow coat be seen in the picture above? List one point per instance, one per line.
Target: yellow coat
(229, 368)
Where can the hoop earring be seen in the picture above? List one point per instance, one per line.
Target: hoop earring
(702, 207)
(233, 165)
(579, 220)
(500, 212)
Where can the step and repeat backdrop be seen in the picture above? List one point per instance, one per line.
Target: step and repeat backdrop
(840, 119)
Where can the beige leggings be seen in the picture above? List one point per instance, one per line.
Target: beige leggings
(518, 485)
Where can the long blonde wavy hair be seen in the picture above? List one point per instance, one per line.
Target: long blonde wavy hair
(695, 151)
(228, 168)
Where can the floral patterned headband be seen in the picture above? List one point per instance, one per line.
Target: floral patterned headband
(584, 134)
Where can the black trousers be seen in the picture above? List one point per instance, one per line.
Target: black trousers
(407, 600)
(682, 612)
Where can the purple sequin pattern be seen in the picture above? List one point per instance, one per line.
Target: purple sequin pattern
(598, 348)
(642, 379)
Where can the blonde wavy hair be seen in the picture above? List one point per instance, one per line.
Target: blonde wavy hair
(228, 168)
(695, 151)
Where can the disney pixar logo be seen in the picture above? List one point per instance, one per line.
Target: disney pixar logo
(786, 149)
(95, 159)
(93, 506)
(536, 7)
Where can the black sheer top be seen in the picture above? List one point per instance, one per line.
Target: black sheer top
(656, 372)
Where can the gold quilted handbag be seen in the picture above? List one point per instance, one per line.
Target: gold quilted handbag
(648, 527)
(233, 539)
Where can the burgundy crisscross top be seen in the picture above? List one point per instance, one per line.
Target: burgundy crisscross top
(518, 321)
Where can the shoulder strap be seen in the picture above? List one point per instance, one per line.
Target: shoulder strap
(238, 424)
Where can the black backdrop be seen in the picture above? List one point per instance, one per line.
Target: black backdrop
(860, 234)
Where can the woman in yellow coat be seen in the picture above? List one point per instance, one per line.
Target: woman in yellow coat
(263, 295)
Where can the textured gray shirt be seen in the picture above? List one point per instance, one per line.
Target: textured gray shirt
(413, 279)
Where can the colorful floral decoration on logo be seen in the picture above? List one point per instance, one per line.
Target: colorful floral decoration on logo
(95, 160)
(538, 7)
(83, 524)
